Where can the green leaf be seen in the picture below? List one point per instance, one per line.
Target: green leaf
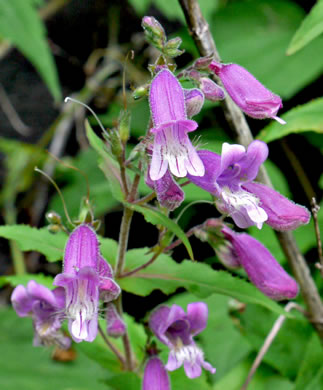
(255, 34)
(25, 367)
(310, 374)
(307, 117)
(109, 166)
(124, 381)
(157, 218)
(14, 280)
(33, 239)
(287, 350)
(310, 28)
(21, 25)
(198, 278)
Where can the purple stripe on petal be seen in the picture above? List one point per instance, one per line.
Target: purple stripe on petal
(82, 249)
(155, 375)
(166, 98)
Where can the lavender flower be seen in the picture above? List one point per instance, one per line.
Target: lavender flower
(155, 375)
(247, 92)
(230, 178)
(172, 146)
(194, 100)
(46, 308)
(115, 324)
(176, 329)
(262, 268)
(169, 193)
(86, 275)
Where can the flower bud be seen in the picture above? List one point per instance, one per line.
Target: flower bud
(171, 48)
(140, 92)
(203, 63)
(194, 100)
(154, 32)
(262, 268)
(115, 325)
(54, 218)
(247, 92)
(211, 90)
(155, 375)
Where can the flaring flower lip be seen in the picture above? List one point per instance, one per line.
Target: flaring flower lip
(176, 329)
(172, 146)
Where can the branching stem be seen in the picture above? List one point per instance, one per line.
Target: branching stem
(200, 32)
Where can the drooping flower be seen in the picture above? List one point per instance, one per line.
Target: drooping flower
(155, 375)
(194, 100)
(46, 308)
(85, 277)
(247, 92)
(176, 329)
(230, 177)
(172, 146)
(262, 268)
(116, 327)
(169, 193)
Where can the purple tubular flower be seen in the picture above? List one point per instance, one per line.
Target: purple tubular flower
(283, 214)
(155, 375)
(86, 275)
(172, 146)
(262, 268)
(247, 92)
(169, 193)
(194, 100)
(115, 325)
(176, 329)
(46, 308)
(225, 176)
(230, 177)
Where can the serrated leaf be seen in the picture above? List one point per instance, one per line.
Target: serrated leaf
(25, 367)
(310, 28)
(21, 25)
(33, 239)
(157, 218)
(307, 117)
(14, 280)
(200, 279)
(109, 166)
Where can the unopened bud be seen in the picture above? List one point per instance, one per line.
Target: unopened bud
(115, 325)
(140, 92)
(154, 32)
(116, 145)
(203, 63)
(53, 218)
(171, 48)
(194, 100)
(211, 90)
